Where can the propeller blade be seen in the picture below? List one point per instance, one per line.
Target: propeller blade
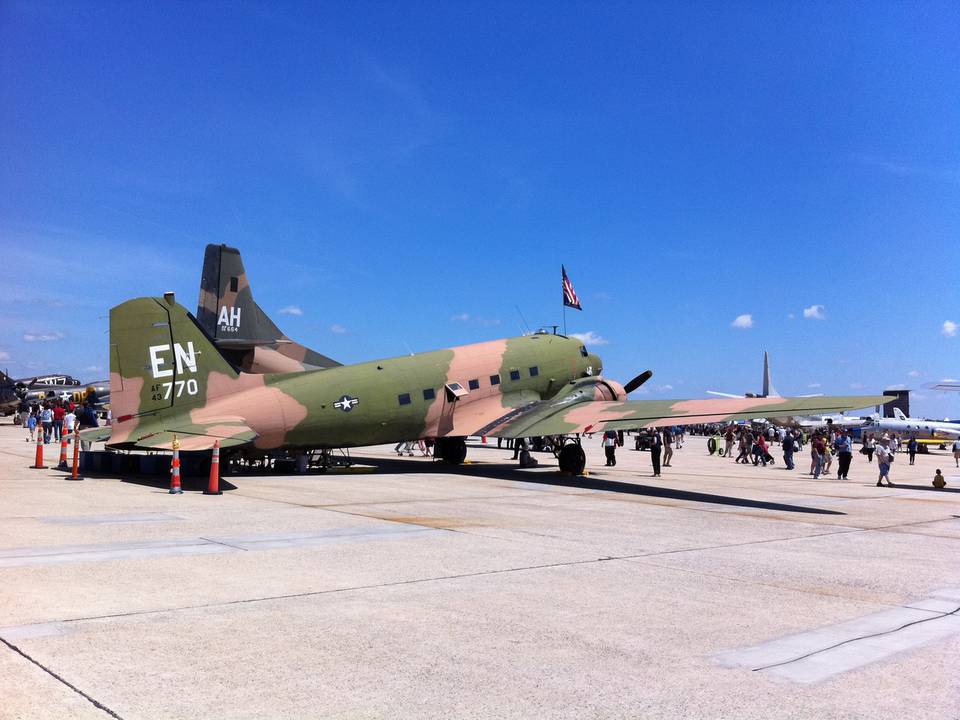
(638, 381)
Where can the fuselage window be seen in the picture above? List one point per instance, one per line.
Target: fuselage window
(494, 379)
(534, 371)
(514, 374)
(404, 398)
(474, 384)
(429, 394)
(583, 350)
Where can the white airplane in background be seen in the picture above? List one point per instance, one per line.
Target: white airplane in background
(804, 421)
(932, 430)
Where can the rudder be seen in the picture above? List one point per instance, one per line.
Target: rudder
(159, 357)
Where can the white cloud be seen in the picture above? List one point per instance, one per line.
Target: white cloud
(43, 337)
(951, 380)
(290, 310)
(92, 368)
(814, 385)
(914, 373)
(814, 312)
(460, 317)
(856, 386)
(898, 386)
(790, 316)
(664, 388)
(590, 338)
(338, 329)
(4, 355)
(743, 321)
(949, 328)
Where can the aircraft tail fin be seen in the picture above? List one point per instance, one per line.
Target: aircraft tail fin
(768, 389)
(161, 359)
(228, 313)
(898, 414)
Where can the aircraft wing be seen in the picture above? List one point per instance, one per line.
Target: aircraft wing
(945, 386)
(158, 433)
(569, 415)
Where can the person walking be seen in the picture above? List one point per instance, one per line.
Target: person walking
(817, 448)
(667, 446)
(46, 419)
(870, 445)
(58, 413)
(656, 444)
(746, 445)
(787, 445)
(844, 448)
(69, 422)
(884, 460)
(956, 452)
(760, 450)
(609, 443)
(827, 455)
(912, 446)
(32, 425)
(728, 442)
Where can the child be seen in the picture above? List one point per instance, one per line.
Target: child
(938, 481)
(31, 425)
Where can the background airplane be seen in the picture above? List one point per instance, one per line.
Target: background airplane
(241, 329)
(169, 379)
(49, 387)
(931, 430)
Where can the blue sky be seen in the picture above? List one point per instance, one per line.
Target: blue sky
(408, 174)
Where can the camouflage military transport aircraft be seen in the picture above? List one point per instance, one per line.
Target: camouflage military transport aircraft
(242, 331)
(168, 378)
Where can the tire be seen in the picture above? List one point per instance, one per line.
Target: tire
(572, 459)
(712, 446)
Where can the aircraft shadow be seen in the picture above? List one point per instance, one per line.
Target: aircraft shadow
(589, 483)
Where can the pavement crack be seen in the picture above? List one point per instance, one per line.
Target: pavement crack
(96, 703)
(225, 544)
(938, 616)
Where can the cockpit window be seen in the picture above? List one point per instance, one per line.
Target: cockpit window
(583, 350)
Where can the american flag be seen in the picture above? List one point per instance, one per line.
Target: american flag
(570, 298)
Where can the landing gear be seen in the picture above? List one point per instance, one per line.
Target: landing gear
(452, 450)
(572, 458)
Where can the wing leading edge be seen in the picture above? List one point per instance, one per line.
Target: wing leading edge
(563, 417)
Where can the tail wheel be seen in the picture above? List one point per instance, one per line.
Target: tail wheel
(452, 450)
(572, 459)
(712, 446)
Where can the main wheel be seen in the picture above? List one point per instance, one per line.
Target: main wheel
(452, 450)
(572, 459)
(711, 446)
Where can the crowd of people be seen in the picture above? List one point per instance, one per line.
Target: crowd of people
(826, 445)
(55, 418)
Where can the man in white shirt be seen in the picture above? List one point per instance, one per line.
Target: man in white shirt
(884, 458)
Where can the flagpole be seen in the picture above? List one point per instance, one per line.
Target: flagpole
(564, 318)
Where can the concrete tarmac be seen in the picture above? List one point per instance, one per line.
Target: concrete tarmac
(415, 590)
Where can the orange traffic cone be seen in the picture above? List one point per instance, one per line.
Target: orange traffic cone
(62, 465)
(38, 462)
(75, 474)
(175, 488)
(213, 487)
